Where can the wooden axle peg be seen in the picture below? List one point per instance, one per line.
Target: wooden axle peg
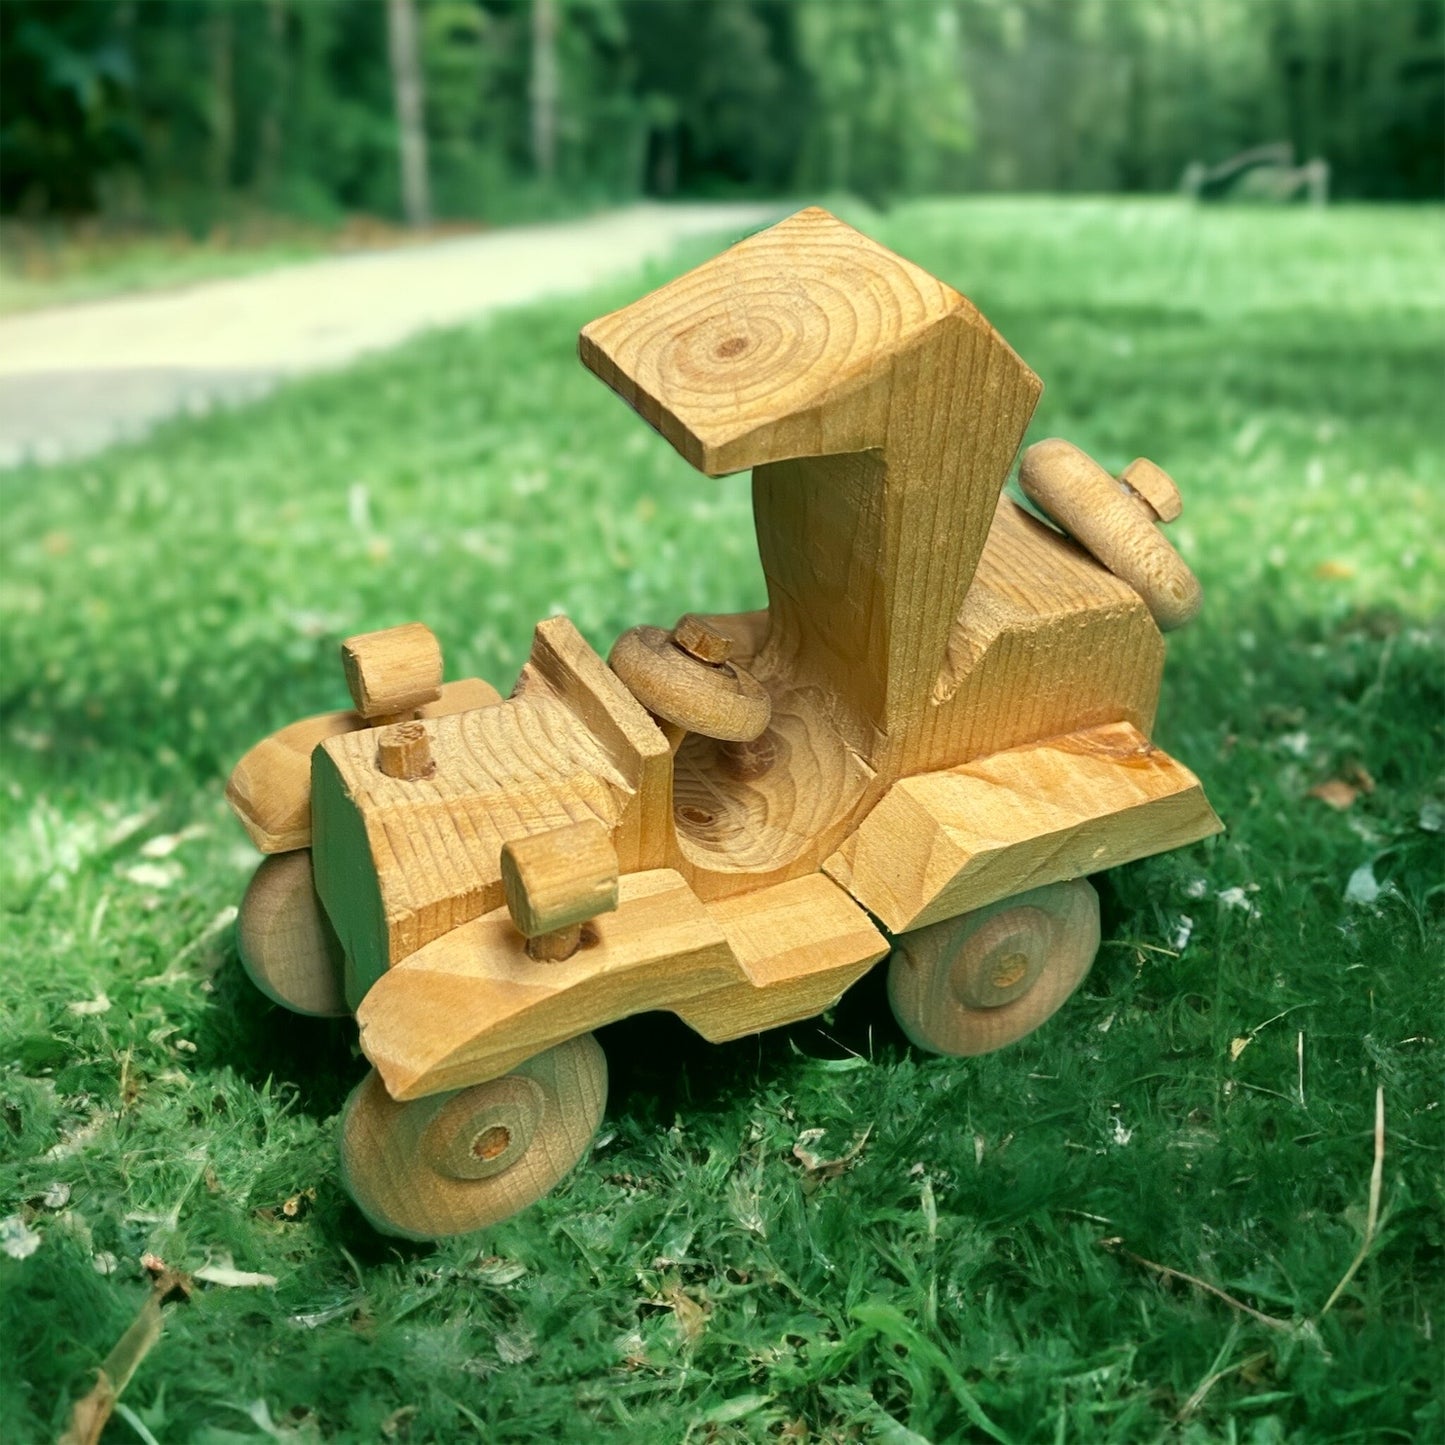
(1154, 487)
(404, 751)
(701, 640)
(555, 882)
(393, 672)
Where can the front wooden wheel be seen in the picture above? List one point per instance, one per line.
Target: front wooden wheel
(455, 1162)
(973, 984)
(286, 942)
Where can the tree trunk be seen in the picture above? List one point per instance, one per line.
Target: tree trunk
(406, 86)
(544, 87)
(221, 43)
(273, 115)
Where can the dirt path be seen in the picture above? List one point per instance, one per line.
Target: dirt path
(75, 378)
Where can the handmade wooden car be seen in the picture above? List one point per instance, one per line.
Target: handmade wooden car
(939, 725)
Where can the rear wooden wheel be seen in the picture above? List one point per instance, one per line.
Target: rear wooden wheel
(455, 1162)
(285, 940)
(986, 979)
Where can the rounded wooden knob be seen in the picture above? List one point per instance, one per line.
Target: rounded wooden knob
(716, 699)
(1116, 523)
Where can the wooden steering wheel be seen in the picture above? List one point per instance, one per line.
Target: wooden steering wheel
(684, 677)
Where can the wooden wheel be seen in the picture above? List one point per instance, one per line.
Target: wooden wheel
(975, 983)
(285, 940)
(455, 1162)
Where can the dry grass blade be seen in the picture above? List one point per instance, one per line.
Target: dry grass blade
(1213, 1378)
(1372, 1214)
(1269, 1321)
(93, 1409)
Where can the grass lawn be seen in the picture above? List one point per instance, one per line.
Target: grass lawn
(1206, 1101)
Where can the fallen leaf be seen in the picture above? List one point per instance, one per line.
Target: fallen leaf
(822, 1168)
(1363, 886)
(235, 1278)
(98, 1005)
(17, 1239)
(1239, 1045)
(1331, 570)
(689, 1316)
(1337, 794)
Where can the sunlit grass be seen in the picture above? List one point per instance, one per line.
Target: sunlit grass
(166, 604)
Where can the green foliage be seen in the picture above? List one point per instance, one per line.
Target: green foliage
(165, 604)
(185, 112)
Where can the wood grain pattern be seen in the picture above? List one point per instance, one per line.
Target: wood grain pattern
(800, 943)
(556, 879)
(392, 672)
(880, 413)
(270, 788)
(563, 666)
(1047, 642)
(1115, 524)
(948, 842)
(401, 862)
(471, 1005)
(735, 834)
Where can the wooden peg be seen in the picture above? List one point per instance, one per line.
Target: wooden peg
(393, 672)
(554, 882)
(404, 751)
(1154, 487)
(700, 639)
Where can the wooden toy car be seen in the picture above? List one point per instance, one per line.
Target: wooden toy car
(939, 725)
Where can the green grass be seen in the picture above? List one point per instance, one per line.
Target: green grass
(166, 604)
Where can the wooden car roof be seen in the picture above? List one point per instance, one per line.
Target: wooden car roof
(782, 323)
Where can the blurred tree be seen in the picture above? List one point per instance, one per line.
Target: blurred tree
(544, 87)
(893, 112)
(406, 84)
(187, 111)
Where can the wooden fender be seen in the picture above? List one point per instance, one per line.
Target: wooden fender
(472, 1005)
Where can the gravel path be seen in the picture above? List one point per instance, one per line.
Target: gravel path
(74, 379)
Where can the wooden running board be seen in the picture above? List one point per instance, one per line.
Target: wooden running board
(472, 1005)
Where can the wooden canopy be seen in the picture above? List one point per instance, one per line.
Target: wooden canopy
(881, 414)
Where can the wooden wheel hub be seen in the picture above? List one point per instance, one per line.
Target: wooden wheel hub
(452, 1163)
(978, 982)
(717, 699)
(483, 1131)
(1003, 960)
